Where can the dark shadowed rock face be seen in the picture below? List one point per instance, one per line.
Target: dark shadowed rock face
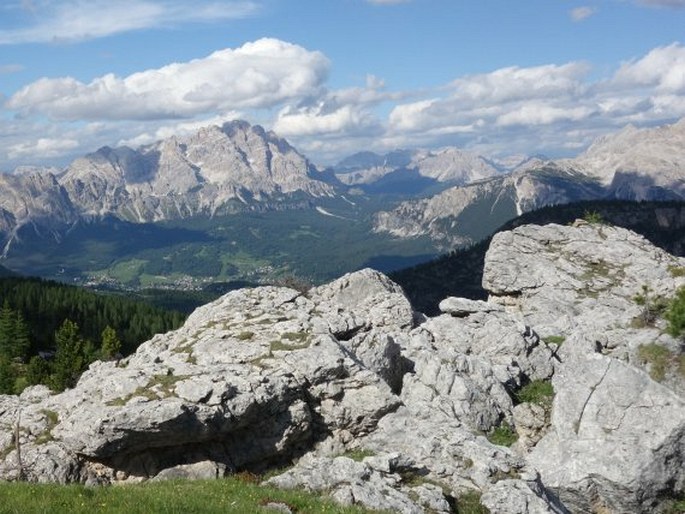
(268, 376)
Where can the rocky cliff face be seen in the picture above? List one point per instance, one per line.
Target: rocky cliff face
(269, 375)
(647, 164)
(216, 170)
(32, 198)
(202, 174)
(653, 159)
(462, 215)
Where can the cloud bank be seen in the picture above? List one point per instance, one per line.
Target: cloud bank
(553, 108)
(256, 75)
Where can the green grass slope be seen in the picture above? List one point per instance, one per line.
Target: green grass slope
(227, 496)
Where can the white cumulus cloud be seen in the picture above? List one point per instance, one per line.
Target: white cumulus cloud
(662, 68)
(318, 120)
(483, 97)
(256, 75)
(514, 83)
(534, 113)
(545, 108)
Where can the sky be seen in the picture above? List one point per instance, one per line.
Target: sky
(334, 77)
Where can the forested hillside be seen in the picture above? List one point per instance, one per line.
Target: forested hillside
(50, 332)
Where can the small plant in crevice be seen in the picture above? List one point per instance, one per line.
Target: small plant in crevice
(555, 340)
(469, 503)
(653, 307)
(540, 392)
(245, 336)
(676, 271)
(659, 359)
(52, 418)
(358, 454)
(296, 337)
(503, 435)
(594, 218)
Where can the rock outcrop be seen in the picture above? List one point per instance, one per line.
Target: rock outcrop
(378, 405)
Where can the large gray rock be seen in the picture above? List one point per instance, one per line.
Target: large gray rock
(351, 482)
(615, 439)
(254, 377)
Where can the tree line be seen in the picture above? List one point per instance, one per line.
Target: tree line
(51, 332)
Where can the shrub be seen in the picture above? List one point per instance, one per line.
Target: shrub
(540, 392)
(652, 308)
(657, 357)
(503, 435)
(675, 315)
(593, 217)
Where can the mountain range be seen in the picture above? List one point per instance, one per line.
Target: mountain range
(633, 164)
(448, 197)
(213, 171)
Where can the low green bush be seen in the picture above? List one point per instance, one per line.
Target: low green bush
(540, 392)
(469, 503)
(658, 357)
(675, 315)
(503, 435)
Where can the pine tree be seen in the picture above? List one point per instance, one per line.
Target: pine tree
(69, 360)
(111, 345)
(37, 371)
(676, 314)
(8, 375)
(7, 336)
(21, 344)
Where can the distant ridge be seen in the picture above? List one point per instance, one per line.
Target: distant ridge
(632, 164)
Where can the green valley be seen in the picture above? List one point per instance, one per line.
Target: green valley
(313, 245)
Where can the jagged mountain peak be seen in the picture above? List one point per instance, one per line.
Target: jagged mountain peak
(657, 153)
(210, 171)
(199, 173)
(443, 165)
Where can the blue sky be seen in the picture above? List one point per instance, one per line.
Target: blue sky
(336, 76)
